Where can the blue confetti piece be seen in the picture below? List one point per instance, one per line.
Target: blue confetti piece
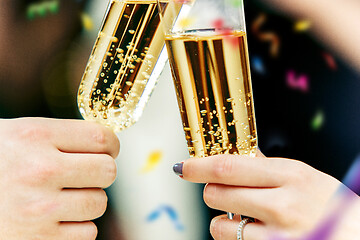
(153, 216)
(258, 65)
(352, 178)
(168, 210)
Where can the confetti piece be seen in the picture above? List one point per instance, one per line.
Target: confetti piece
(87, 22)
(52, 6)
(302, 25)
(326, 229)
(42, 9)
(184, 1)
(318, 121)
(258, 65)
(330, 61)
(297, 82)
(352, 178)
(186, 22)
(235, 3)
(168, 210)
(271, 37)
(219, 25)
(328, 226)
(152, 161)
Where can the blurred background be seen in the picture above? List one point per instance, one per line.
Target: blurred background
(306, 102)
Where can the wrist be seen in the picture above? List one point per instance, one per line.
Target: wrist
(349, 222)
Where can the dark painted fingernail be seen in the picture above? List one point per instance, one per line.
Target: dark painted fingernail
(178, 168)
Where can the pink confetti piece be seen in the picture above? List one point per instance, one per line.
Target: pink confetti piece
(184, 1)
(300, 82)
(219, 25)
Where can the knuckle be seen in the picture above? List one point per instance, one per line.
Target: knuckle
(299, 171)
(100, 134)
(116, 146)
(33, 132)
(38, 208)
(46, 172)
(111, 171)
(223, 167)
(99, 137)
(40, 173)
(275, 211)
(282, 211)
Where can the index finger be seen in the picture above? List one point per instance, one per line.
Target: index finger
(237, 170)
(79, 136)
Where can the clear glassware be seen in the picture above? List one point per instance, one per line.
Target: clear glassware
(125, 63)
(208, 55)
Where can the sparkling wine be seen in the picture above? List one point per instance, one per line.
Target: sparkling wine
(124, 65)
(213, 85)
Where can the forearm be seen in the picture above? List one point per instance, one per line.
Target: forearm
(335, 23)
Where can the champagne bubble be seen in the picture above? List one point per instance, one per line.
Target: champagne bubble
(114, 39)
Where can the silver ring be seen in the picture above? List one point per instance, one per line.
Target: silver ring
(241, 227)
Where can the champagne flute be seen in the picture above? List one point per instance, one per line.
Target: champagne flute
(208, 55)
(125, 63)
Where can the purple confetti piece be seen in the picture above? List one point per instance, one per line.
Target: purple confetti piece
(327, 228)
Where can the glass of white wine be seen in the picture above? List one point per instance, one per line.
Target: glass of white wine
(125, 63)
(208, 55)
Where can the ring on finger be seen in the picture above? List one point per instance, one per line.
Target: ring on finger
(241, 226)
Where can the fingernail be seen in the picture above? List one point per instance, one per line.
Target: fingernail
(178, 168)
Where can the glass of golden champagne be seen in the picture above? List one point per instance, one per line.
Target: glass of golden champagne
(208, 55)
(125, 63)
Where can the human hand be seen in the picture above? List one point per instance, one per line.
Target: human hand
(51, 177)
(325, 16)
(287, 197)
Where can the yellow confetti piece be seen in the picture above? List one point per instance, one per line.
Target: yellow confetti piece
(87, 22)
(152, 161)
(302, 26)
(186, 22)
